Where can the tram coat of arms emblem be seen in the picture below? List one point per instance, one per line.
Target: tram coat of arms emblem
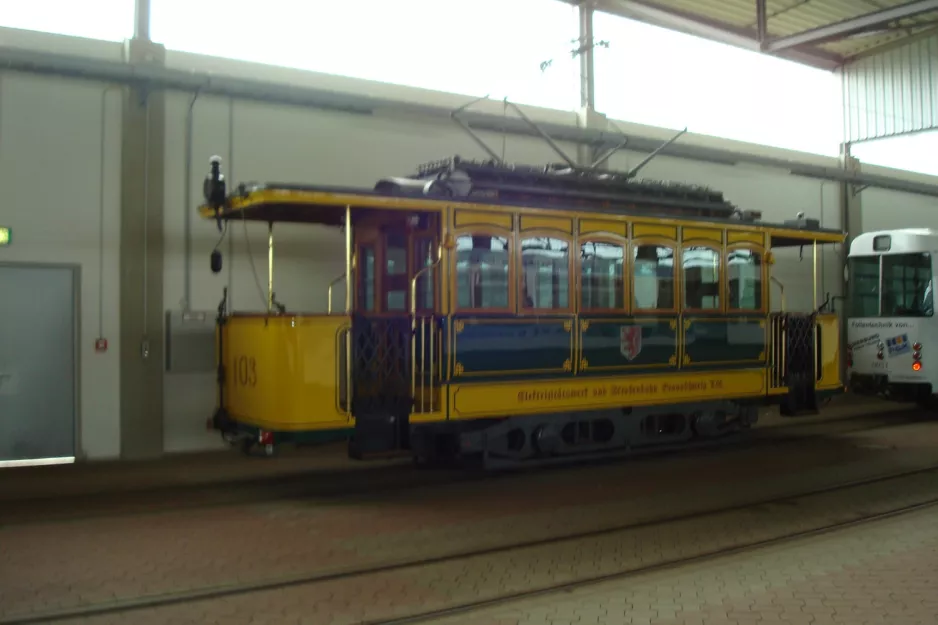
(630, 341)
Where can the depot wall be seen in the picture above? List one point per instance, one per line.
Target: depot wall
(51, 171)
(888, 209)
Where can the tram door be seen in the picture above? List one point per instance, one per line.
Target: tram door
(395, 326)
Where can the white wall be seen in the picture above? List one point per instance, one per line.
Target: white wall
(50, 173)
(882, 210)
(49, 142)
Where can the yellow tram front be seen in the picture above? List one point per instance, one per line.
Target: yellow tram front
(288, 376)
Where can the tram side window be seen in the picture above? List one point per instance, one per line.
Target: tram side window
(601, 266)
(366, 295)
(744, 269)
(545, 273)
(653, 277)
(482, 271)
(701, 278)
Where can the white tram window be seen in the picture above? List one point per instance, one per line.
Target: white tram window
(653, 277)
(744, 270)
(545, 273)
(482, 271)
(863, 286)
(906, 285)
(603, 284)
(701, 278)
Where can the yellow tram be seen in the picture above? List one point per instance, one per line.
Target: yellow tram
(522, 314)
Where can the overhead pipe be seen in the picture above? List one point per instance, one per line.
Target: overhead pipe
(187, 207)
(102, 158)
(181, 80)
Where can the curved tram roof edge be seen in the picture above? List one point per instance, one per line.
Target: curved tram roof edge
(293, 203)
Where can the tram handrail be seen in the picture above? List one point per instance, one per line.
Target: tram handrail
(332, 284)
(781, 288)
(423, 334)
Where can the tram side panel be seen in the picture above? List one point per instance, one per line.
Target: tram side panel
(283, 377)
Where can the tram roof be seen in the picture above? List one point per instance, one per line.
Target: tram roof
(459, 183)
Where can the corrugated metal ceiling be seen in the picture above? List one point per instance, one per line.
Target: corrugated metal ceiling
(788, 17)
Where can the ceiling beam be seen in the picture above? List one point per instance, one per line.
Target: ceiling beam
(699, 26)
(925, 33)
(854, 25)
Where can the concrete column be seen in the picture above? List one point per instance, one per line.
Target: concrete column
(587, 65)
(589, 118)
(142, 20)
(852, 216)
(850, 203)
(141, 263)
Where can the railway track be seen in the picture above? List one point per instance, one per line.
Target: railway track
(508, 598)
(397, 477)
(895, 490)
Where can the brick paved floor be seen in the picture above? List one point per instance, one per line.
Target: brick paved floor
(64, 565)
(737, 587)
(879, 573)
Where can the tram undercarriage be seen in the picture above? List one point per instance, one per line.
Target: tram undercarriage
(545, 439)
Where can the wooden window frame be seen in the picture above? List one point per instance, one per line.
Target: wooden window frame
(375, 237)
(676, 278)
(625, 246)
(719, 248)
(523, 310)
(487, 231)
(763, 273)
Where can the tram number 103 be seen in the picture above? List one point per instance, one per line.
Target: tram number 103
(244, 371)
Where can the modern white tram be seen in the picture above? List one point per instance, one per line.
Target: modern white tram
(892, 333)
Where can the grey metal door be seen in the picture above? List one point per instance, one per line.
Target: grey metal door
(37, 362)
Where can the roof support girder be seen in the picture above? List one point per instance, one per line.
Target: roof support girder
(746, 38)
(845, 28)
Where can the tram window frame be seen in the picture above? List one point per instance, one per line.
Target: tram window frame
(557, 287)
(620, 290)
(495, 233)
(634, 306)
(731, 304)
(717, 251)
(395, 279)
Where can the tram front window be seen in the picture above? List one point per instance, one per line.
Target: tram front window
(900, 286)
(907, 286)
